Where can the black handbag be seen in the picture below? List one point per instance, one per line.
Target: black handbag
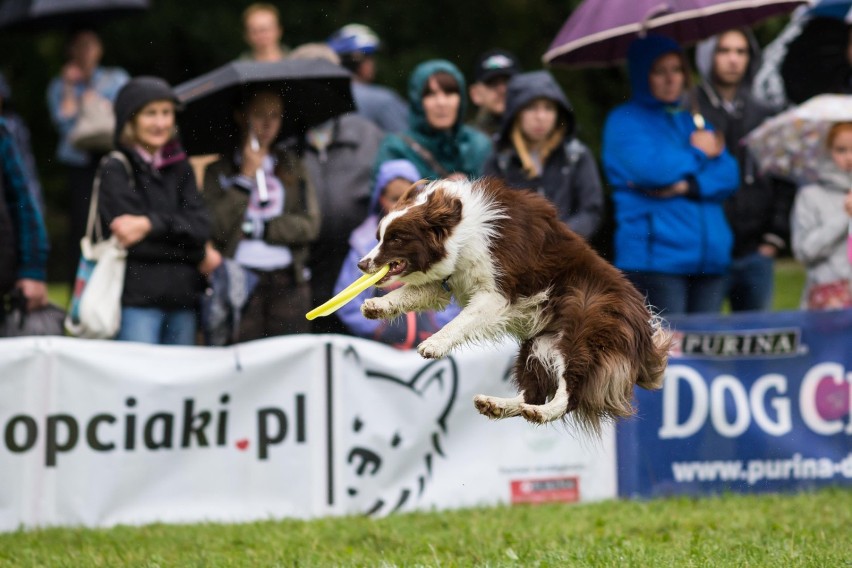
(16, 321)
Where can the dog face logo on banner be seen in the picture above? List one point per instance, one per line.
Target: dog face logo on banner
(397, 441)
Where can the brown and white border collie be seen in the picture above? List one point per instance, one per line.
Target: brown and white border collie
(586, 334)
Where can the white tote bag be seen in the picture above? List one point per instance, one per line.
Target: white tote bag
(100, 303)
(98, 315)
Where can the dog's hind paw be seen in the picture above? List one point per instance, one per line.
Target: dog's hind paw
(486, 407)
(535, 415)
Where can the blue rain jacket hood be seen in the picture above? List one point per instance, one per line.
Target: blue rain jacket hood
(641, 55)
(388, 172)
(525, 88)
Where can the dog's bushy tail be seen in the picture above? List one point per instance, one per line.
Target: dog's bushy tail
(608, 352)
(654, 366)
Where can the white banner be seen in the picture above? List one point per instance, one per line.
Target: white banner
(98, 433)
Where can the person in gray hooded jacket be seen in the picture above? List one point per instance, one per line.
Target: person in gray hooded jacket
(537, 150)
(822, 226)
(759, 211)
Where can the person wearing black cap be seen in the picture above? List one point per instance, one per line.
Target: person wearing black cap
(487, 92)
(149, 201)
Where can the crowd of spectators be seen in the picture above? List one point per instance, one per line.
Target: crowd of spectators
(696, 222)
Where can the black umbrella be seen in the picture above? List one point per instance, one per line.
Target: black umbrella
(816, 61)
(313, 91)
(36, 15)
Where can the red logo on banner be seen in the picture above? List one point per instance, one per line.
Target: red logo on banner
(553, 490)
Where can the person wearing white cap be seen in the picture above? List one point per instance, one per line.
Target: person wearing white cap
(356, 45)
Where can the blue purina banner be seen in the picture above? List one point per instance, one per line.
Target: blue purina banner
(751, 403)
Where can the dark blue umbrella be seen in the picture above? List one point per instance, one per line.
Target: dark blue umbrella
(837, 9)
(36, 15)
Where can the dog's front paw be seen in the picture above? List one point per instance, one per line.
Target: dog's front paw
(375, 308)
(432, 349)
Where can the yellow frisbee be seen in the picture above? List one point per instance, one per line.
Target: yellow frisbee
(347, 294)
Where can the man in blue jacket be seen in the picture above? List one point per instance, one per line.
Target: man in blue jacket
(670, 178)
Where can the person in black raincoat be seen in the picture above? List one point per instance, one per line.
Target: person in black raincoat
(149, 200)
(537, 149)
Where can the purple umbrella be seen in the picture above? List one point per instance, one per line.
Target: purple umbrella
(598, 32)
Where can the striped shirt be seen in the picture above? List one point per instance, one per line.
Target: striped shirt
(32, 243)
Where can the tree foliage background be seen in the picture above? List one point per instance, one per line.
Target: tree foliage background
(179, 40)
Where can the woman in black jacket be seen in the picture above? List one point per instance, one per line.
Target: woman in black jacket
(536, 149)
(157, 214)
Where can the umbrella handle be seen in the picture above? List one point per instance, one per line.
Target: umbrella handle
(262, 190)
(697, 117)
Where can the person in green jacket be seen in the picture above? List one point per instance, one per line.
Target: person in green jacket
(437, 141)
(268, 236)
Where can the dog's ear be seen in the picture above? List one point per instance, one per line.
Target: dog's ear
(410, 195)
(443, 213)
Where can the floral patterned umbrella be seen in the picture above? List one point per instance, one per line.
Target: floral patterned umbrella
(792, 144)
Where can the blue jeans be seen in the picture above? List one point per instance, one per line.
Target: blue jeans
(751, 283)
(681, 294)
(157, 326)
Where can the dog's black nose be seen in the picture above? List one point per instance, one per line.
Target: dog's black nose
(363, 265)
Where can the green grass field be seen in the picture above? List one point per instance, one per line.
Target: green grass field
(809, 529)
(789, 283)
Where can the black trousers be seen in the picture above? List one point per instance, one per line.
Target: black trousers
(277, 306)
